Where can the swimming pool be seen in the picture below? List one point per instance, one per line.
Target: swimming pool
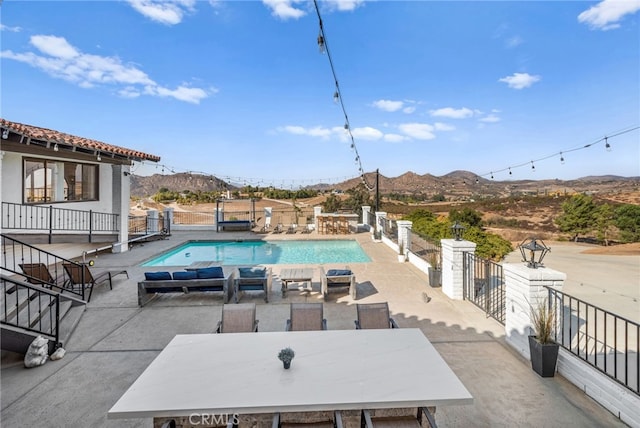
(263, 252)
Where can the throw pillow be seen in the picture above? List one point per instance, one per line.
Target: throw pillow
(157, 276)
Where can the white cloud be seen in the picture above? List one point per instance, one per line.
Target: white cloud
(164, 12)
(607, 14)
(388, 105)
(452, 113)
(60, 59)
(394, 138)
(285, 9)
(343, 5)
(11, 29)
(513, 42)
(520, 80)
(419, 131)
(439, 126)
(366, 133)
(317, 131)
(408, 110)
(492, 118)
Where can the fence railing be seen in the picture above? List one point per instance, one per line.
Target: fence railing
(603, 339)
(39, 267)
(427, 249)
(484, 285)
(41, 316)
(389, 228)
(49, 219)
(145, 225)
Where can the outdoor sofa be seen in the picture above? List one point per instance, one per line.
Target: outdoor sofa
(211, 279)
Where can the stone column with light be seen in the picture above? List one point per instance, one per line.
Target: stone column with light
(120, 197)
(404, 235)
(152, 221)
(366, 212)
(380, 215)
(452, 266)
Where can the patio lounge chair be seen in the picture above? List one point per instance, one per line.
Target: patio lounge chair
(75, 273)
(366, 421)
(38, 273)
(240, 318)
(335, 423)
(252, 279)
(374, 315)
(306, 317)
(337, 278)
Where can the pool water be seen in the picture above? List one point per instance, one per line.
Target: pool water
(263, 252)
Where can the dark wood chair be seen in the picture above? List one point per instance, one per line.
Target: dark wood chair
(80, 276)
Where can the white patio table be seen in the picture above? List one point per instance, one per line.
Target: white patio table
(332, 370)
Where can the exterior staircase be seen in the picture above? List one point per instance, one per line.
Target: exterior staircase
(28, 310)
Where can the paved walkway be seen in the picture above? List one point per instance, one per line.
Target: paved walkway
(116, 340)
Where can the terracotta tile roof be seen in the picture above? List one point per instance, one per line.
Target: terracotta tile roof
(51, 136)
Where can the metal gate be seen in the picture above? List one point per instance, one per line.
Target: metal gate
(483, 284)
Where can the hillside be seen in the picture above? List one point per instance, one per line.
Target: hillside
(457, 185)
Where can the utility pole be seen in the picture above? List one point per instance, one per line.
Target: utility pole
(377, 189)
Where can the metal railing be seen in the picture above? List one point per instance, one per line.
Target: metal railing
(389, 228)
(30, 308)
(39, 267)
(484, 285)
(426, 248)
(192, 217)
(145, 225)
(49, 219)
(606, 341)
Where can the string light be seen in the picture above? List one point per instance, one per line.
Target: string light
(533, 167)
(607, 146)
(561, 158)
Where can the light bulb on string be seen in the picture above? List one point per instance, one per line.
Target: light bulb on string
(533, 167)
(492, 175)
(510, 173)
(336, 97)
(321, 45)
(561, 158)
(607, 146)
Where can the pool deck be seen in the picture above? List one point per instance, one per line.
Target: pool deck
(116, 340)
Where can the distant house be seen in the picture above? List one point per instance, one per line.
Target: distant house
(56, 184)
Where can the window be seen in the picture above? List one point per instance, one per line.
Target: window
(59, 181)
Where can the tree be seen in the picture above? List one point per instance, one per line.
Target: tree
(579, 215)
(627, 220)
(331, 204)
(604, 221)
(358, 196)
(467, 216)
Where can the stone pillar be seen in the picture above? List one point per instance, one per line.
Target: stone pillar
(452, 266)
(168, 218)
(120, 195)
(404, 235)
(379, 223)
(524, 290)
(152, 221)
(366, 212)
(316, 212)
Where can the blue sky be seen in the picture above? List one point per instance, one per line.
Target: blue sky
(240, 89)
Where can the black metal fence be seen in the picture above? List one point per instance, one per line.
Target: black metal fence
(603, 339)
(49, 219)
(484, 285)
(427, 249)
(39, 267)
(41, 315)
(389, 228)
(145, 225)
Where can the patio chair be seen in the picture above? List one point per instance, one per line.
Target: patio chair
(39, 274)
(252, 279)
(267, 224)
(374, 315)
(327, 423)
(423, 414)
(240, 318)
(306, 317)
(75, 273)
(337, 278)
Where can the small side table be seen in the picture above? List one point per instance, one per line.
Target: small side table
(288, 276)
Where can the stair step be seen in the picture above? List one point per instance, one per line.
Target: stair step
(70, 322)
(35, 309)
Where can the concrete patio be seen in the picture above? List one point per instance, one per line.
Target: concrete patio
(116, 340)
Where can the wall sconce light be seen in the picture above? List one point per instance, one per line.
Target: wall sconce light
(55, 147)
(98, 157)
(5, 134)
(533, 252)
(457, 230)
(126, 173)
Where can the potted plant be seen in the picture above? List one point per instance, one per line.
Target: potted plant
(435, 272)
(286, 355)
(542, 349)
(402, 257)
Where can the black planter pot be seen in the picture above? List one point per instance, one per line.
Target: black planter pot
(543, 357)
(435, 277)
(287, 364)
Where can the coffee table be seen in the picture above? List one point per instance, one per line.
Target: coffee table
(295, 275)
